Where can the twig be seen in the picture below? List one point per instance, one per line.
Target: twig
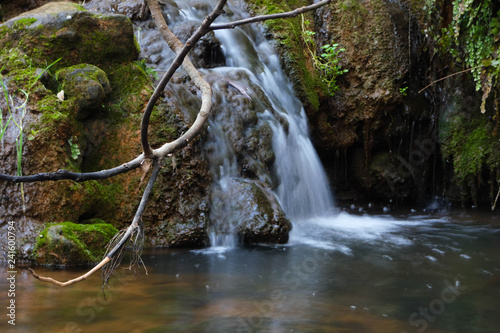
(293, 13)
(443, 78)
(76, 176)
(496, 199)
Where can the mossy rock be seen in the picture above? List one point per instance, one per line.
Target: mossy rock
(62, 30)
(88, 84)
(71, 244)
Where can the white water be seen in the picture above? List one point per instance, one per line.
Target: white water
(299, 179)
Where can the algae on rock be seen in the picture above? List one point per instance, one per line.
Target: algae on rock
(72, 244)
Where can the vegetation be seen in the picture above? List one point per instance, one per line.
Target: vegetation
(17, 113)
(328, 62)
(472, 38)
(73, 244)
(288, 33)
(467, 34)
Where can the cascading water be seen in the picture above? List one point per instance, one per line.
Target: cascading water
(253, 70)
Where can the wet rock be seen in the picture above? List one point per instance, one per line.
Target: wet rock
(251, 210)
(72, 244)
(207, 53)
(236, 116)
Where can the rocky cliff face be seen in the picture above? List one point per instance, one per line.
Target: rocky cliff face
(379, 136)
(366, 132)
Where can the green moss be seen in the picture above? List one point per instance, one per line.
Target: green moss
(128, 82)
(164, 124)
(87, 38)
(288, 34)
(104, 196)
(73, 244)
(470, 142)
(23, 23)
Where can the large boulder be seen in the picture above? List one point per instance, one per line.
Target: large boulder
(250, 210)
(66, 31)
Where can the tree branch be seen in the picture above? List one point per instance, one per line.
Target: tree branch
(70, 282)
(113, 257)
(293, 13)
(444, 78)
(76, 176)
(181, 51)
(109, 259)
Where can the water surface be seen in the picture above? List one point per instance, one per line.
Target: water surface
(346, 273)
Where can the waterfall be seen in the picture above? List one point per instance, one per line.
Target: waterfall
(253, 67)
(303, 186)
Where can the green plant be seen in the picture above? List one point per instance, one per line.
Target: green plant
(403, 91)
(20, 110)
(75, 150)
(3, 127)
(471, 38)
(150, 71)
(330, 66)
(328, 63)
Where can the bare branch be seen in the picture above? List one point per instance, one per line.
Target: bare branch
(110, 256)
(443, 78)
(181, 51)
(293, 13)
(76, 176)
(75, 280)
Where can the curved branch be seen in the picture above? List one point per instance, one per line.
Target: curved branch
(126, 236)
(75, 280)
(293, 13)
(448, 76)
(76, 176)
(181, 58)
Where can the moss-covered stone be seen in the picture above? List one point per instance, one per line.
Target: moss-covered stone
(54, 129)
(88, 84)
(73, 244)
(288, 35)
(62, 30)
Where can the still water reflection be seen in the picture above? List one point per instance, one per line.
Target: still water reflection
(346, 273)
